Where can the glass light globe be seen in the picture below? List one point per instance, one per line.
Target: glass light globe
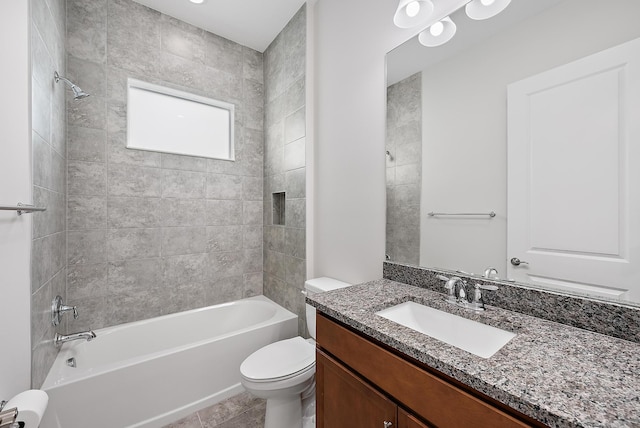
(436, 29)
(412, 9)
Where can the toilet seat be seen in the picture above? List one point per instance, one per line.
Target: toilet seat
(279, 361)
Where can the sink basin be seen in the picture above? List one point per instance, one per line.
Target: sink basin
(471, 336)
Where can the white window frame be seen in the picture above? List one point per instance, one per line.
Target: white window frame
(152, 126)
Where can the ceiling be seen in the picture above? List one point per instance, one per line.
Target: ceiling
(252, 23)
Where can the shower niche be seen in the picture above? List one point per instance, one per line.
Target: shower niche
(279, 202)
(166, 120)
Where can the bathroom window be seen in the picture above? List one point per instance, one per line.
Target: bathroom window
(166, 120)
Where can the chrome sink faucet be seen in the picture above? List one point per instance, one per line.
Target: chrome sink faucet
(458, 295)
(456, 288)
(490, 273)
(59, 339)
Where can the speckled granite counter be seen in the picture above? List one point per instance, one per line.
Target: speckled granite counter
(560, 375)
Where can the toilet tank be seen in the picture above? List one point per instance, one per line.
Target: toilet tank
(319, 285)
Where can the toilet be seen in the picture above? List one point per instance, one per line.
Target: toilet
(283, 372)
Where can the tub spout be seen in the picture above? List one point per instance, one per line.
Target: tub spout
(59, 339)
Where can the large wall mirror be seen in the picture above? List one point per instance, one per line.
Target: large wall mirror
(526, 123)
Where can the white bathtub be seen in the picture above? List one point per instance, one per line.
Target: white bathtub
(150, 373)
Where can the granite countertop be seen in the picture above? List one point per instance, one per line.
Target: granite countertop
(560, 375)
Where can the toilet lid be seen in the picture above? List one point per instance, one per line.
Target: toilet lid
(279, 360)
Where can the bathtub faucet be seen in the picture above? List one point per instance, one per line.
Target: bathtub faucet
(59, 339)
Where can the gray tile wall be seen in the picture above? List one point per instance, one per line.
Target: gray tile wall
(284, 166)
(404, 169)
(151, 233)
(48, 251)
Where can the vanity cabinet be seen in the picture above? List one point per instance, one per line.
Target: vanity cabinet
(348, 401)
(407, 420)
(362, 384)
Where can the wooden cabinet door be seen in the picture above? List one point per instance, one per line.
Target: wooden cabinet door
(406, 420)
(344, 401)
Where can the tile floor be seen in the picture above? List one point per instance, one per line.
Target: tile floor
(240, 411)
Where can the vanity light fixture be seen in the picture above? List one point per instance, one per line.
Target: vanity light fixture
(438, 34)
(412, 13)
(485, 9)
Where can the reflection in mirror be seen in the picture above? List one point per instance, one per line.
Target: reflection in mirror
(452, 137)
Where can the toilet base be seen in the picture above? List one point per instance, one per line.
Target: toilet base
(292, 411)
(309, 407)
(283, 412)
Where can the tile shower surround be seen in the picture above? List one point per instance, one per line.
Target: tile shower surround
(404, 169)
(48, 248)
(612, 319)
(284, 167)
(152, 233)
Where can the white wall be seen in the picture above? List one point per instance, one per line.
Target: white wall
(350, 42)
(465, 123)
(15, 186)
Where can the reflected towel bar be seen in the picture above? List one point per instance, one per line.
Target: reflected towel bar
(22, 208)
(491, 214)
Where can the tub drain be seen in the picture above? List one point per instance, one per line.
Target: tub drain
(71, 362)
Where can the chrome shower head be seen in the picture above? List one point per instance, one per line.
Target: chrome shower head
(78, 93)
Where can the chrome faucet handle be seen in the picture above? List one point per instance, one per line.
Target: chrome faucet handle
(65, 308)
(58, 309)
(478, 304)
(442, 277)
(490, 273)
(451, 284)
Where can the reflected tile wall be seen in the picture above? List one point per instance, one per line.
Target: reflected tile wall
(152, 233)
(48, 273)
(404, 169)
(284, 166)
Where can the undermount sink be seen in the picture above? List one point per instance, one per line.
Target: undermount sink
(471, 336)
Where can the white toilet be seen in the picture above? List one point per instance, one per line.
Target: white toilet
(283, 372)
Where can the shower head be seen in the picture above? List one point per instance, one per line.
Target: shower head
(78, 93)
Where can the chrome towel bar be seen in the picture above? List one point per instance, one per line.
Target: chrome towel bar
(491, 214)
(22, 208)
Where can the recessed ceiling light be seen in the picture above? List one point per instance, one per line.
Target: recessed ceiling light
(197, 1)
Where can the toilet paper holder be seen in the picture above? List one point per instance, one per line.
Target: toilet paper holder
(8, 417)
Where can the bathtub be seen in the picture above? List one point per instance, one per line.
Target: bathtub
(150, 373)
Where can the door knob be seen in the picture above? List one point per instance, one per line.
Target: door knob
(388, 424)
(517, 262)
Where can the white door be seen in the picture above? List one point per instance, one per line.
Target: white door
(15, 186)
(574, 176)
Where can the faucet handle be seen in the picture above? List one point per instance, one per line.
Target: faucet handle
(65, 308)
(58, 309)
(486, 287)
(478, 303)
(448, 284)
(451, 283)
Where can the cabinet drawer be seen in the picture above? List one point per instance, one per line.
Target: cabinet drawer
(426, 395)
